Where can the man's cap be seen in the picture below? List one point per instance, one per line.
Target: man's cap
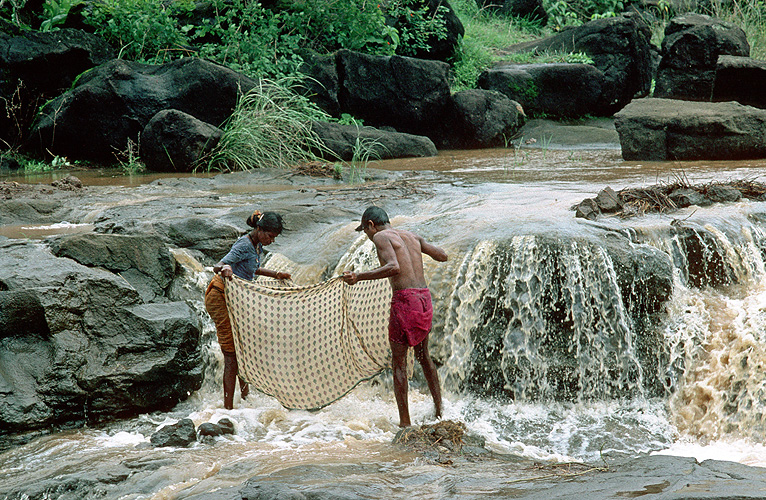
(374, 214)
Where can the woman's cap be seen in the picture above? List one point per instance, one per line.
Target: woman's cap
(374, 214)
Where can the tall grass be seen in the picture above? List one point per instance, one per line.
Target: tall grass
(270, 127)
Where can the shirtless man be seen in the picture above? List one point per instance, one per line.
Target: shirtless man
(399, 253)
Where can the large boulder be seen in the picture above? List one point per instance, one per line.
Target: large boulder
(344, 142)
(88, 350)
(408, 94)
(142, 260)
(174, 141)
(110, 105)
(690, 53)
(36, 67)
(668, 129)
(740, 79)
(619, 46)
(480, 119)
(557, 90)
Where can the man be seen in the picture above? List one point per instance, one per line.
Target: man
(399, 253)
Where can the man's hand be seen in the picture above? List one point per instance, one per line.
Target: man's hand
(350, 277)
(283, 276)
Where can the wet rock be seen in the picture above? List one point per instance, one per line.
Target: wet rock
(608, 201)
(69, 183)
(587, 209)
(209, 429)
(180, 434)
(341, 141)
(226, 426)
(669, 129)
(89, 351)
(740, 79)
(723, 194)
(480, 119)
(687, 197)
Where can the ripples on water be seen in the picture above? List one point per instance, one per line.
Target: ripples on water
(477, 196)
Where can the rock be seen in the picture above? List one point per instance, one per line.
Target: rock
(88, 350)
(209, 429)
(690, 51)
(686, 197)
(740, 79)
(440, 48)
(342, 142)
(608, 201)
(37, 66)
(322, 83)
(666, 129)
(147, 254)
(620, 48)
(558, 89)
(587, 209)
(480, 119)
(226, 426)
(408, 94)
(174, 141)
(180, 434)
(723, 194)
(532, 10)
(110, 105)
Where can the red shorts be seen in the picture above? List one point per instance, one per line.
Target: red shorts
(411, 315)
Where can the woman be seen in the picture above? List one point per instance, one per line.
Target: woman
(244, 260)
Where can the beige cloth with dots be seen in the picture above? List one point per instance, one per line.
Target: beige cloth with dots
(309, 345)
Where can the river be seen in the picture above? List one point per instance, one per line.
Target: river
(471, 203)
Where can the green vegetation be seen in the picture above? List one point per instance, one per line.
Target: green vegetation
(269, 43)
(270, 127)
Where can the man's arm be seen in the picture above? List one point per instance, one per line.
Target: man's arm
(436, 253)
(387, 256)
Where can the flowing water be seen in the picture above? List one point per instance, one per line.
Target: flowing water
(520, 266)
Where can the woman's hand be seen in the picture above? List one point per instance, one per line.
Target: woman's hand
(226, 271)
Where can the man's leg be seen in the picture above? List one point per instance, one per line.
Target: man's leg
(399, 366)
(244, 387)
(432, 376)
(229, 379)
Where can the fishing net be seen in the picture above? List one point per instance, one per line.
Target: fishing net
(309, 345)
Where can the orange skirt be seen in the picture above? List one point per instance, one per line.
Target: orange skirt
(215, 303)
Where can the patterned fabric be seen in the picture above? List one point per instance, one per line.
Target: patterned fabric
(309, 345)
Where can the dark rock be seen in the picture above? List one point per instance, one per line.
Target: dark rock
(723, 194)
(91, 352)
(620, 48)
(740, 79)
(608, 201)
(110, 105)
(532, 10)
(145, 253)
(408, 94)
(587, 209)
(557, 90)
(209, 429)
(440, 48)
(480, 119)
(666, 129)
(68, 183)
(226, 426)
(174, 141)
(690, 51)
(180, 434)
(322, 82)
(343, 140)
(35, 67)
(686, 197)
